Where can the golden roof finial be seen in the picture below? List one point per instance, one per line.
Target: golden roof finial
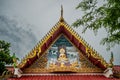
(61, 18)
(61, 11)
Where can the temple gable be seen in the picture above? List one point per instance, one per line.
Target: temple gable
(62, 49)
(62, 56)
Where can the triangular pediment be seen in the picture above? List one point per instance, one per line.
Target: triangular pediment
(50, 61)
(62, 35)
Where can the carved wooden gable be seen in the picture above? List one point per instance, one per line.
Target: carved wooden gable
(76, 62)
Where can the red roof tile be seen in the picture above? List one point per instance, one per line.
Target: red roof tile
(117, 67)
(64, 77)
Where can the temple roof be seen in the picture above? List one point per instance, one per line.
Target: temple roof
(64, 77)
(62, 28)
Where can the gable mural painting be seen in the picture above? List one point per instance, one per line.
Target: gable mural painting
(63, 54)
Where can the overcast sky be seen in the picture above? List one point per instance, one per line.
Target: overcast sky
(24, 23)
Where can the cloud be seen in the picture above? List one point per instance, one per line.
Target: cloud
(20, 35)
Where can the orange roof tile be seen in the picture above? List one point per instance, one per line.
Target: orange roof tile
(64, 77)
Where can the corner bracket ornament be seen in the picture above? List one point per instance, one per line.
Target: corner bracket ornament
(109, 71)
(111, 60)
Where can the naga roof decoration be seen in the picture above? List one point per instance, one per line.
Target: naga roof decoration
(61, 27)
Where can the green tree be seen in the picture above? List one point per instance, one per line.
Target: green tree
(5, 57)
(106, 15)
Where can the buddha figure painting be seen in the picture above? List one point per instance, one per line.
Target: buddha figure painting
(62, 59)
(63, 54)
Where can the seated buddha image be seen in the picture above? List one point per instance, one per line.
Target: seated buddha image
(62, 56)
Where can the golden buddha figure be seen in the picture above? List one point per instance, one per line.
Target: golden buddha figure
(62, 58)
(62, 55)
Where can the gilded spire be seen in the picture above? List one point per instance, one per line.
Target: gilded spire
(61, 18)
(61, 11)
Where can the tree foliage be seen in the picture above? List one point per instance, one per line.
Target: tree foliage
(5, 57)
(95, 17)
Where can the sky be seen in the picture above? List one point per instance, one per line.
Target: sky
(24, 23)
